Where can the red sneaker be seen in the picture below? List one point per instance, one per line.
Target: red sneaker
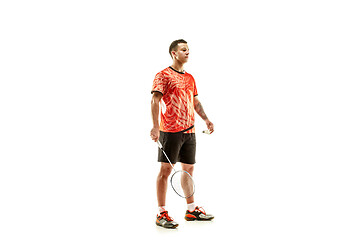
(164, 220)
(198, 214)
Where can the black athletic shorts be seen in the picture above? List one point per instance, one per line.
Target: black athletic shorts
(179, 147)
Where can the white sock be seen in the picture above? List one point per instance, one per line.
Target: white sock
(191, 207)
(162, 209)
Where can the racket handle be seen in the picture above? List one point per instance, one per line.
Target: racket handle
(159, 144)
(206, 131)
(161, 147)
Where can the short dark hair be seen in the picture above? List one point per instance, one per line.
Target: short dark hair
(174, 45)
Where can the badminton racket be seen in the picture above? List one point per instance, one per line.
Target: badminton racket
(181, 181)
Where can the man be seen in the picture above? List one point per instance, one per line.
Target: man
(175, 94)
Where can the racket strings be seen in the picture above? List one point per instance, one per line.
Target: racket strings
(183, 184)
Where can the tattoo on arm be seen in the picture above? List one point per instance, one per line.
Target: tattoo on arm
(200, 110)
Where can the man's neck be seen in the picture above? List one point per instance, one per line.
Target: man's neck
(178, 66)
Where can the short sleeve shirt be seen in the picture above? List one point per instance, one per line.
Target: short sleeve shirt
(177, 108)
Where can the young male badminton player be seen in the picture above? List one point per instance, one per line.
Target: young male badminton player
(175, 96)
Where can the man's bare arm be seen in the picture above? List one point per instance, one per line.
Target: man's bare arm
(200, 110)
(155, 101)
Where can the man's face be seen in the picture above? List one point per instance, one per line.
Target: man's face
(182, 53)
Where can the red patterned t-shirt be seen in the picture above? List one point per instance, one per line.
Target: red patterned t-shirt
(177, 108)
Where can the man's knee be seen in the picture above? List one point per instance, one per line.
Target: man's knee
(188, 167)
(165, 170)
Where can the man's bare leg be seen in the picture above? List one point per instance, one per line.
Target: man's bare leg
(161, 183)
(190, 169)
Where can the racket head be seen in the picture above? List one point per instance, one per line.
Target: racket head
(183, 184)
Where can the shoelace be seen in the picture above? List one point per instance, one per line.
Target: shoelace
(200, 209)
(166, 215)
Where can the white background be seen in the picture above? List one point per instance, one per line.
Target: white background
(279, 79)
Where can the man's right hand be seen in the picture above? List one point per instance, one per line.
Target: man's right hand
(155, 134)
